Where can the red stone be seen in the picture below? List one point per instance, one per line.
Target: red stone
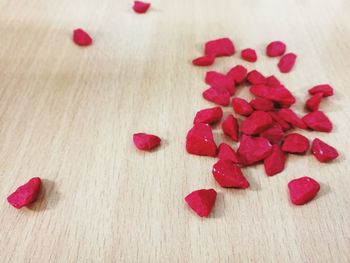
(255, 77)
(303, 190)
(230, 127)
(202, 201)
(204, 61)
(325, 89)
(146, 142)
(295, 143)
(209, 116)
(278, 94)
(290, 116)
(262, 104)
(241, 106)
(256, 123)
(217, 95)
(323, 151)
(318, 121)
(141, 7)
(219, 47)
(275, 162)
(249, 54)
(287, 62)
(277, 119)
(81, 38)
(313, 103)
(200, 140)
(227, 153)
(275, 49)
(25, 194)
(252, 150)
(218, 80)
(228, 174)
(237, 73)
(274, 134)
(272, 82)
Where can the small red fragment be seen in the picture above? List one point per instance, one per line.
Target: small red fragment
(237, 73)
(241, 106)
(272, 82)
(227, 153)
(318, 121)
(25, 194)
(275, 162)
(275, 49)
(146, 142)
(209, 116)
(287, 62)
(252, 150)
(262, 104)
(295, 143)
(325, 89)
(203, 61)
(303, 190)
(313, 103)
(218, 80)
(274, 134)
(217, 95)
(256, 78)
(219, 47)
(277, 119)
(249, 54)
(323, 151)
(230, 127)
(81, 38)
(256, 123)
(202, 201)
(200, 140)
(278, 94)
(141, 7)
(228, 174)
(291, 117)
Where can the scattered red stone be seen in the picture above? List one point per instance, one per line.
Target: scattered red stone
(249, 54)
(238, 73)
(209, 116)
(217, 95)
(204, 61)
(200, 140)
(318, 121)
(256, 123)
(255, 77)
(141, 7)
(287, 62)
(241, 106)
(230, 127)
(290, 116)
(228, 174)
(325, 89)
(275, 162)
(272, 82)
(262, 104)
(274, 134)
(218, 80)
(252, 150)
(25, 194)
(146, 142)
(313, 103)
(279, 94)
(202, 201)
(219, 47)
(323, 151)
(81, 38)
(275, 49)
(277, 119)
(295, 143)
(227, 153)
(303, 190)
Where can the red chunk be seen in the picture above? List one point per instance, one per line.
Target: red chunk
(262, 104)
(200, 140)
(81, 38)
(256, 123)
(295, 143)
(275, 162)
(249, 54)
(272, 82)
(303, 190)
(209, 116)
(256, 78)
(274, 134)
(219, 47)
(323, 151)
(203, 61)
(238, 73)
(146, 142)
(287, 62)
(318, 121)
(252, 150)
(218, 80)
(230, 127)
(202, 201)
(227, 153)
(325, 89)
(275, 49)
(228, 174)
(141, 7)
(313, 103)
(25, 194)
(277, 119)
(279, 94)
(217, 95)
(241, 106)
(290, 116)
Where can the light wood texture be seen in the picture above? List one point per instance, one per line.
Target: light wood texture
(67, 114)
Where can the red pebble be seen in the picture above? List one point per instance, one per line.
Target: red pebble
(313, 103)
(295, 143)
(227, 153)
(278, 94)
(274, 134)
(238, 73)
(252, 150)
(277, 119)
(146, 142)
(217, 95)
(303, 190)
(25, 194)
(256, 78)
(230, 127)
(219, 47)
(209, 116)
(200, 140)
(81, 38)
(287, 62)
(272, 82)
(256, 123)
(202, 201)
(228, 174)
(141, 7)
(318, 121)
(325, 89)
(262, 104)
(241, 106)
(290, 116)
(249, 54)
(218, 80)
(275, 49)
(322, 151)
(203, 61)
(275, 162)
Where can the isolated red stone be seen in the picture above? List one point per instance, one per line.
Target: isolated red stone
(141, 7)
(203, 61)
(81, 38)
(146, 142)
(202, 201)
(262, 104)
(275, 162)
(228, 174)
(291, 117)
(275, 49)
(313, 103)
(249, 54)
(218, 80)
(303, 190)
(256, 123)
(255, 77)
(230, 127)
(237, 73)
(287, 62)
(325, 89)
(200, 140)
(25, 194)
(219, 47)
(272, 82)
(279, 94)
(209, 116)
(318, 121)
(323, 151)
(295, 143)
(217, 95)
(241, 106)
(253, 149)
(227, 153)
(274, 134)
(277, 119)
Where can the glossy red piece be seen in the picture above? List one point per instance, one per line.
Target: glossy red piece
(252, 150)
(238, 73)
(291, 117)
(278, 94)
(274, 134)
(218, 80)
(200, 140)
(275, 49)
(287, 62)
(81, 38)
(146, 142)
(227, 153)
(318, 121)
(275, 162)
(203, 61)
(323, 151)
(241, 106)
(262, 104)
(219, 47)
(249, 54)
(25, 194)
(209, 116)
(303, 190)
(230, 127)
(228, 174)
(141, 7)
(202, 201)
(256, 123)
(313, 103)
(217, 95)
(295, 143)
(325, 89)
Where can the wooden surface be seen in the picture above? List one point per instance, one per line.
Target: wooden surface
(67, 114)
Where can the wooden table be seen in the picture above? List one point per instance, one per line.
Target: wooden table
(67, 114)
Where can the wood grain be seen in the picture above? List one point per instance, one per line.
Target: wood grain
(67, 115)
